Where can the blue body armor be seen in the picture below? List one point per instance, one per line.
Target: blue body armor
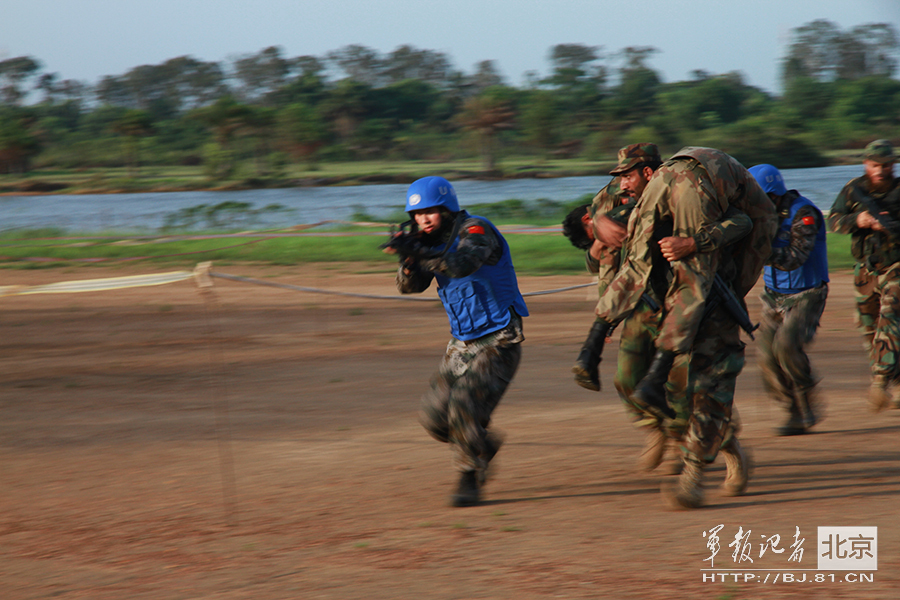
(479, 304)
(812, 273)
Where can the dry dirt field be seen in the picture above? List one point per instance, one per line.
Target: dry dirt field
(267, 446)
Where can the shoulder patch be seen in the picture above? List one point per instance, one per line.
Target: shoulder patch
(476, 229)
(809, 220)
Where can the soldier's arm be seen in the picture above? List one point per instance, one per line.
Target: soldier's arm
(624, 291)
(842, 218)
(804, 228)
(411, 278)
(478, 245)
(733, 226)
(693, 208)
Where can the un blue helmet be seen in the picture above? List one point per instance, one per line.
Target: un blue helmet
(769, 179)
(431, 191)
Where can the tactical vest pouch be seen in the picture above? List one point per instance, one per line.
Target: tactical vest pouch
(470, 310)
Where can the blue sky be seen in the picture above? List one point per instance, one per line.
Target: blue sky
(87, 39)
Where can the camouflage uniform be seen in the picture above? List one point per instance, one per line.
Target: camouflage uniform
(877, 271)
(790, 319)
(637, 340)
(473, 374)
(686, 194)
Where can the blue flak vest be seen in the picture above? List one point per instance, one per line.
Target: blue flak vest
(479, 304)
(812, 273)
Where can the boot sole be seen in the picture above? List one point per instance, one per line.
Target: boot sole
(583, 378)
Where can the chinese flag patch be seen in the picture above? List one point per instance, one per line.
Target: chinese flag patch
(809, 220)
(476, 229)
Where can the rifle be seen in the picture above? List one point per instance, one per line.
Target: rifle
(890, 224)
(650, 302)
(400, 236)
(405, 240)
(721, 293)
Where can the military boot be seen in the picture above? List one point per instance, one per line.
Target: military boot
(879, 394)
(467, 493)
(650, 393)
(811, 406)
(673, 461)
(737, 469)
(654, 449)
(687, 490)
(795, 424)
(586, 371)
(492, 443)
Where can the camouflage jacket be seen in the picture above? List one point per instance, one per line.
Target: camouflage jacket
(613, 203)
(688, 194)
(874, 248)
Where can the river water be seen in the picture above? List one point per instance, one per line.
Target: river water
(94, 213)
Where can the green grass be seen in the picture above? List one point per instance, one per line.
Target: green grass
(533, 254)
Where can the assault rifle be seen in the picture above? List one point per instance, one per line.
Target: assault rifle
(722, 294)
(890, 224)
(400, 237)
(405, 240)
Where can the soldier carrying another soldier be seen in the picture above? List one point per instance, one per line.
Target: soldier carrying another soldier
(688, 192)
(601, 231)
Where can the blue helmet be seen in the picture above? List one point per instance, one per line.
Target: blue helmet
(769, 179)
(431, 191)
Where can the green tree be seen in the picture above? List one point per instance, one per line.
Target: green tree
(574, 65)
(261, 75)
(224, 119)
(707, 102)
(539, 118)
(486, 115)
(635, 95)
(14, 72)
(302, 131)
(359, 63)
(18, 144)
(347, 105)
(407, 62)
(133, 125)
(820, 50)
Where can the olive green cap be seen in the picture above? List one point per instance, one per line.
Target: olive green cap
(635, 154)
(880, 151)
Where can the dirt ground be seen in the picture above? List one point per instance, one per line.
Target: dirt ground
(267, 446)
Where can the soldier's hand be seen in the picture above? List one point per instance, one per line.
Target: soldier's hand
(864, 220)
(608, 232)
(597, 250)
(676, 248)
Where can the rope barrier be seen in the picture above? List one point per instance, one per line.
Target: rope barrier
(300, 288)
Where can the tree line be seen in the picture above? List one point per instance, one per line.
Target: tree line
(260, 112)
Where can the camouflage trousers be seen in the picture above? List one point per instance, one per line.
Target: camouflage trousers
(637, 346)
(878, 317)
(717, 358)
(465, 391)
(789, 323)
